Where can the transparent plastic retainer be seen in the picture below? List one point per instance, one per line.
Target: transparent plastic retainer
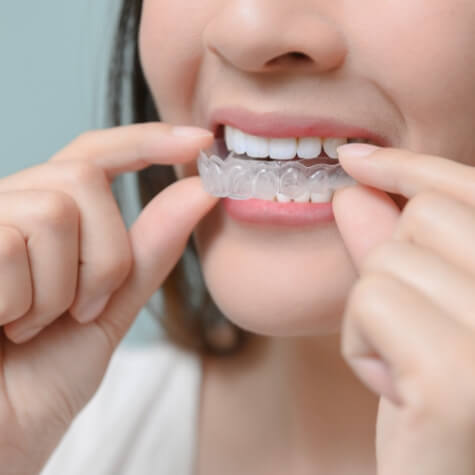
(244, 178)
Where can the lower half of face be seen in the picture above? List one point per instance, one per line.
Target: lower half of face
(285, 281)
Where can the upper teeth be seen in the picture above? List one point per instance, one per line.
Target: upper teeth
(282, 148)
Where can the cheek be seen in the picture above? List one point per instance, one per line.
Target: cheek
(428, 73)
(170, 54)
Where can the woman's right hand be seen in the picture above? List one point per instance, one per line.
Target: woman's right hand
(73, 279)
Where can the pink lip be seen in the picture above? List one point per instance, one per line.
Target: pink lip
(281, 214)
(275, 124)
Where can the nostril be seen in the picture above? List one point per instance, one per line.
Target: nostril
(298, 55)
(290, 57)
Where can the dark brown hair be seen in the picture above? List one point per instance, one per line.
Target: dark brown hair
(194, 323)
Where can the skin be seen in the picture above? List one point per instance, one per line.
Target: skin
(56, 342)
(354, 68)
(409, 75)
(380, 347)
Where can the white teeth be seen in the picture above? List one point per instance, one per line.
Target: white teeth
(282, 149)
(257, 147)
(309, 147)
(239, 141)
(281, 198)
(325, 197)
(330, 145)
(306, 197)
(229, 137)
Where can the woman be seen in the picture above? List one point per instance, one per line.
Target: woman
(359, 324)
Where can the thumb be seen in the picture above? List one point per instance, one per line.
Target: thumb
(158, 239)
(365, 218)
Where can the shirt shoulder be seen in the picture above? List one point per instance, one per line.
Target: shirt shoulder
(141, 420)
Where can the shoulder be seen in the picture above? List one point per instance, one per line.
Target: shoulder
(143, 413)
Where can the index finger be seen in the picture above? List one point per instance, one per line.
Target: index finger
(129, 148)
(407, 173)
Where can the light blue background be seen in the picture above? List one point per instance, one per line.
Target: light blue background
(54, 56)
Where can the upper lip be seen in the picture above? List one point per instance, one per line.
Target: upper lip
(278, 124)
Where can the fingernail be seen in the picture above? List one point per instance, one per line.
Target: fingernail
(25, 334)
(356, 150)
(184, 131)
(88, 312)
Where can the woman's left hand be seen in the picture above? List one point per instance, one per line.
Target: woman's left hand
(409, 324)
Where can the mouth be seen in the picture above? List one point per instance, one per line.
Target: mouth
(277, 168)
(277, 157)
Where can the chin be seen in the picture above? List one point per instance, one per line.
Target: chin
(278, 314)
(273, 281)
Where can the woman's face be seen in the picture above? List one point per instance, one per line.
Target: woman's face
(404, 70)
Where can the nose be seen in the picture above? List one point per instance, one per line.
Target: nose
(275, 35)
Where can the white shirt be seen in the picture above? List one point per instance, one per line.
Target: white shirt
(141, 421)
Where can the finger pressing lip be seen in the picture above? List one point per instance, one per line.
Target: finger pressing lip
(407, 173)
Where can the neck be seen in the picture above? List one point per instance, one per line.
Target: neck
(295, 397)
(330, 412)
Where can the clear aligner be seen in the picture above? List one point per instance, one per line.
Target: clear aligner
(244, 178)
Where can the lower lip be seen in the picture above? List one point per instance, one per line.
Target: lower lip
(275, 213)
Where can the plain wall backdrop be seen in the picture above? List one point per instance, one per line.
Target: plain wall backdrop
(54, 57)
